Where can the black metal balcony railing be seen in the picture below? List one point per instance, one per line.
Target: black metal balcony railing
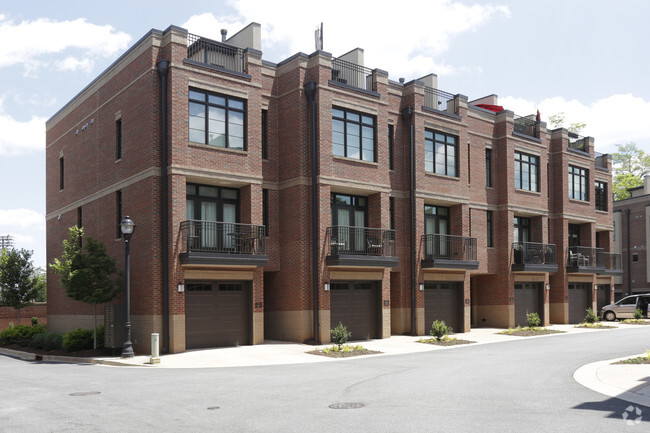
(580, 257)
(577, 142)
(364, 241)
(215, 53)
(526, 125)
(609, 261)
(533, 253)
(220, 237)
(449, 247)
(436, 99)
(352, 74)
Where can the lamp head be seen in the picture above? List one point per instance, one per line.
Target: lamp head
(127, 227)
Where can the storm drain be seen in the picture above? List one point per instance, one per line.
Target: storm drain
(84, 393)
(346, 405)
(214, 408)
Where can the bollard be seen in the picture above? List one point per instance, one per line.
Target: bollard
(155, 349)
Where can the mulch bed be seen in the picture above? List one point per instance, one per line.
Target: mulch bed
(633, 322)
(90, 353)
(450, 342)
(595, 327)
(531, 332)
(637, 360)
(341, 354)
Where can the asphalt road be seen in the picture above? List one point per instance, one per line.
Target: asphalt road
(518, 386)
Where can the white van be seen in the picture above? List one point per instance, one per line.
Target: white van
(624, 309)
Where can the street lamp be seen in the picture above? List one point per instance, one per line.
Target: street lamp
(127, 227)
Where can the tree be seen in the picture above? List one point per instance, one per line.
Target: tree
(86, 272)
(631, 165)
(557, 121)
(19, 282)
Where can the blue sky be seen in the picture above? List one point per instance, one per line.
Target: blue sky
(586, 58)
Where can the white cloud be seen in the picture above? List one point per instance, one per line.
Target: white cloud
(407, 42)
(28, 41)
(611, 120)
(18, 138)
(72, 64)
(27, 228)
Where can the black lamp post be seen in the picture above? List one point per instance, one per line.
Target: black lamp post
(127, 227)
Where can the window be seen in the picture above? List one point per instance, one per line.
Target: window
(61, 173)
(436, 222)
(265, 139)
(574, 235)
(488, 167)
(217, 120)
(349, 210)
(578, 183)
(440, 153)
(635, 257)
(391, 145)
(353, 134)
(601, 196)
(522, 229)
(213, 213)
(118, 139)
(198, 287)
(265, 211)
(526, 172)
(118, 213)
(391, 209)
(490, 240)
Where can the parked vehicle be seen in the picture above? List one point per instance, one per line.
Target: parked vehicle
(624, 309)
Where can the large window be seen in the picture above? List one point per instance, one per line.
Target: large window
(61, 173)
(488, 167)
(353, 134)
(118, 213)
(118, 139)
(601, 196)
(490, 222)
(578, 183)
(391, 146)
(217, 120)
(440, 153)
(526, 172)
(265, 134)
(214, 212)
(522, 229)
(436, 222)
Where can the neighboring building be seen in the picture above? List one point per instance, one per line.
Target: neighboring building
(631, 237)
(426, 206)
(6, 242)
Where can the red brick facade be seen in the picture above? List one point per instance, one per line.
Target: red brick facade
(282, 290)
(10, 315)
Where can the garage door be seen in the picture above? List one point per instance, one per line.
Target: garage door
(216, 314)
(526, 301)
(442, 302)
(578, 302)
(355, 305)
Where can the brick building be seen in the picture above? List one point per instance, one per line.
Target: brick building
(631, 237)
(275, 200)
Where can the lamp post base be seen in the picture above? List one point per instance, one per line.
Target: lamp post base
(127, 350)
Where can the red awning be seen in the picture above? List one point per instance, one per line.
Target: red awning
(495, 108)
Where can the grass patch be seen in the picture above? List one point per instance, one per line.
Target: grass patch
(345, 351)
(636, 321)
(445, 341)
(597, 325)
(528, 331)
(645, 359)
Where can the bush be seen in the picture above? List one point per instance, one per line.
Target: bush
(10, 335)
(591, 316)
(20, 334)
(79, 339)
(638, 314)
(533, 320)
(34, 321)
(47, 341)
(439, 329)
(340, 335)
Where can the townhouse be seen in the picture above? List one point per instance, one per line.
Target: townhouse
(273, 201)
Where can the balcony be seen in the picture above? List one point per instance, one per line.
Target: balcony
(219, 243)
(584, 260)
(611, 262)
(360, 246)
(578, 142)
(438, 100)
(216, 54)
(533, 257)
(449, 252)
(526, 125)
(353, 75)
(601, 161)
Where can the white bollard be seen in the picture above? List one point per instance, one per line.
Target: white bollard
(155, 349)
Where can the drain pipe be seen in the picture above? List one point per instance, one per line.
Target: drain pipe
(310, 91)
(629, 254)
(163, 69)
(407, 115)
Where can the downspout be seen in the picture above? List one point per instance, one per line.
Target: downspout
(310, 91)
(629, 254)
(407, 115)
(163, 69)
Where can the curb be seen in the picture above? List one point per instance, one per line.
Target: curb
(28, 356)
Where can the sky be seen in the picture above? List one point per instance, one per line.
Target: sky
(585, 58)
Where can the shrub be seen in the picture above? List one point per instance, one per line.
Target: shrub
(340, 335)
(638, 314)
(47, 341)
(10, 335)
(34, 321)
(79, 339)
(439, 329)
(591, 316)
(533, 320)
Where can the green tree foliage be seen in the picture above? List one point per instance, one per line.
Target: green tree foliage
(19, 283)
(86, 273)
(631, 164)
(557, 121)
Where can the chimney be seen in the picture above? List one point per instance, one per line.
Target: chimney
(224, 32)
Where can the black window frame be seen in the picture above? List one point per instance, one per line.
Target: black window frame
(581, 175)
(220, 200)
(118, 213)
(265, 210)
(356, 202)
(600, 195)
(265, 132)
(489, 221)
(522, 225)
(61, 173)
(488, 168)
(118, 139)
(391, 146)
(573, 231)
(347, 118)
(391, 210)
(228, 110)
(430, 142)
(523, 159)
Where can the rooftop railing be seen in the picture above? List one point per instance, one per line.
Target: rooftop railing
(221, 237)
(449, 247)
(354, 75)
(215, 53)
(601, 160)
(578, 142)
(436, 99)
(526, 125)
(364, 241)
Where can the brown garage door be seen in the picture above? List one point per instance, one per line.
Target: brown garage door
(526, 301)
(578, 302)
(355, 305)
(442, 302)
(216, 314)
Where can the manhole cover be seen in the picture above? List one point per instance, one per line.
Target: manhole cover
(213, 408)
(347, 405)
(84, 393)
